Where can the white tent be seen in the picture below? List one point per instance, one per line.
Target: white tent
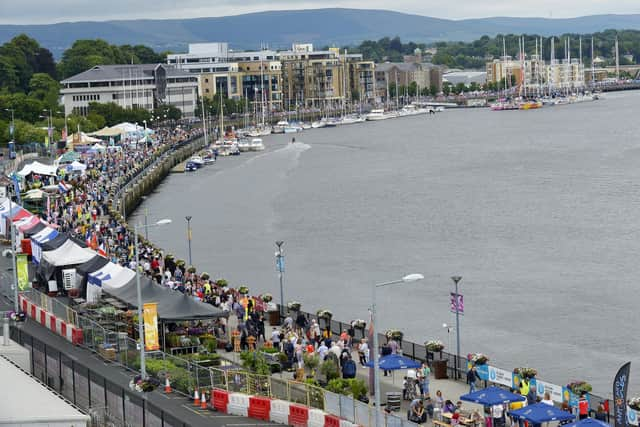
(38, 239)
(84, 139)
(68, 254)
(38, 168)
(111, 276)
(76, 166)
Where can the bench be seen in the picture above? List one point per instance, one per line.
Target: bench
(441, 423)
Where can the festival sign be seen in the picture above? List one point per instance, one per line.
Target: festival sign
(555, 391)
(500, 376)
(632, 416)
(151, 326)
(620, 384)
(22, 267)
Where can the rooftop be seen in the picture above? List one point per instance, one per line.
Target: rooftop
(124, 72)
(47, 406)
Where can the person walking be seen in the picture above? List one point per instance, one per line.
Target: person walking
(472, 377)
(425, 372)
(363, 351)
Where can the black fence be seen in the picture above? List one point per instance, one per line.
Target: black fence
(108, 403)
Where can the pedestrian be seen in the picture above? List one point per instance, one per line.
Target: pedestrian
(472, 377)
(583, 407)
(385, 351)
(425, 372)
(363, 351)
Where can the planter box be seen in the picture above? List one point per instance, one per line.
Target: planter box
(107, 353)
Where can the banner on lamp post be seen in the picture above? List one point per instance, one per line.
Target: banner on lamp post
(457, 303)
(22, 267)
(150, 315)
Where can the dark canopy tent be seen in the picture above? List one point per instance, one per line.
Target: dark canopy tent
(172, 305)
(94, 264)
(35, 229)
(55, 243)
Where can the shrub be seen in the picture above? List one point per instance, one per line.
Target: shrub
(329, 369)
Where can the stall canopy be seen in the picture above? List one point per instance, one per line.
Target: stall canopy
(81, 138)
(35, 194)
(68, 157)
(38, 239)
(55, 242)
(74, 166)
(539, 413)
(69, 253)
(492, 396)
(94, 264)
(28, 223)
(38, 168)
(172, 305)
(34, 230)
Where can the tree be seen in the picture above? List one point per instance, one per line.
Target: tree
(43, 87)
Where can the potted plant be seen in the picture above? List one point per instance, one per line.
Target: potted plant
(221, 283)
(191, 269)
(579, 387)
(394, 334)
(294, 306)
(477, 359)
(634, 403)
(205, 276)
(243, 290)
(324, 314)
(267, 298)
(358, 324)
(526, 373)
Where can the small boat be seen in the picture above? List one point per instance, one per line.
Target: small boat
(319, 124)
(244, 145)
(378, 114)
(209, 158)
(292, 128)
(530, 105)
(190, 167)
(256, 144)
(197, 160)
(305, 125)
(280, 126)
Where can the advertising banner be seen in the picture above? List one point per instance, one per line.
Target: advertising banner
(459, 302)
(620, 385)
(555, 391)
(500, 376)
(150, 316)
(22, 267)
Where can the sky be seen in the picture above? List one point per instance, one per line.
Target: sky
(49, 11)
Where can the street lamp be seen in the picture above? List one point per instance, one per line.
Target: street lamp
(13, 121)
(50, 130)
(280, 268)
(448, 328)
(456, 279)
(188, 218)
(376, 376)
(143, 368)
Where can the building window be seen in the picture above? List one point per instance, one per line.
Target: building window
(206, 91)
(206, 80)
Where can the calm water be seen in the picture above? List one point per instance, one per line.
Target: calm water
(536, 210)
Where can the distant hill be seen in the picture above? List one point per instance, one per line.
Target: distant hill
(279, 29)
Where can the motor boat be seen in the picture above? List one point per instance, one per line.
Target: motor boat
(190, 167)
(280, 126)
(209, 158)
(197, 160)
(244, 145)
(292, 128)
(256, 144)
(319, 124)
(305, 125)
(378, 114)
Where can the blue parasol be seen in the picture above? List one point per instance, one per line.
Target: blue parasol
(588, 422)
(539, 413)
(394, 362)
(492, 396)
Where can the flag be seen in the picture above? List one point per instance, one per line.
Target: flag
(150, 315)
(101, 250)
(16, 187)
(94, 242)
(620, 384)
(62, 187)
(371, 350)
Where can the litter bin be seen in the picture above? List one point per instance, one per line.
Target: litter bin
(274, 318)
(440, 369)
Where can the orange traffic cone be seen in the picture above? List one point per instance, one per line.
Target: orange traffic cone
(203, 401)
(196, 398)
(167, 385)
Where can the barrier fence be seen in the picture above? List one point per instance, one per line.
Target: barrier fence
(107, 402)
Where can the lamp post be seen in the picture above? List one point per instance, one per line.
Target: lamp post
(376, 365)
(50, 130)
(13, 121)
(457, 279)
(16, 304)
(143, 367)
(188, 218)
(448, 328)
(280, 268)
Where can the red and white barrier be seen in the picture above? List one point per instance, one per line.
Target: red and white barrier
(238, 404)
(316, 418)
(259, 407)
(331, 421)
(298, 415)
(220, 400)
(279, 411)
(49, 321)
(345, 423)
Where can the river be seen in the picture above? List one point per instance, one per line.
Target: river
(536, 210)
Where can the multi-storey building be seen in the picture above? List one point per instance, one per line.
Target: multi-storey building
(145, 86)
(402, 74)
(535, 74)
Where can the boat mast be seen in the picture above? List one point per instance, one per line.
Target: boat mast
(221, 133)
(617, 61)
(593, 70)
(204, 121)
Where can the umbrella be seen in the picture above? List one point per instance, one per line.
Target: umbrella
(588, 422)
(394, 362)
(539, 413)
(492, 396)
